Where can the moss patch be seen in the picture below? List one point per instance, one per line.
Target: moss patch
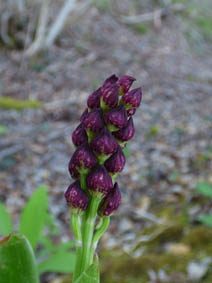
(9, 103)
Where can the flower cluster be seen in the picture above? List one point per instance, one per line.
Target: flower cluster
(105, 127)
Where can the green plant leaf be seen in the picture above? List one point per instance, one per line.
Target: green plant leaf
(206, 219)
(3, 130)
(91, 275)
(6, 225)
(127, 151)
(48, 247)
(204, 189)
(17, 261)
(59, 262)
(33, 216)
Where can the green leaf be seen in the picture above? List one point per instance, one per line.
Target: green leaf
(126, 151)
(91, 275)
(48, 247)
(204, 189)
(206, 219)
(33, 217)
(3, 130)
(6, 225)
(17, 261)
(59, 262)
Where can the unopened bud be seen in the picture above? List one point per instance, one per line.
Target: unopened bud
(132, 99)
(79, 136)
(116, 118)
(126, 133)
(111, 202)
(116, 162)
(76, 198)
(99, 181)
(83, 159)
(125, 83)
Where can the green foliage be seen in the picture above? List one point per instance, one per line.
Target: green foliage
(3, 130)
(204, 189)
(11, 103)
(153, 131)
(206, 219)
(61, 261)
(17, 262)
(104, 5)
(5, 221)
(140, 28)
(33, 216)
(127, 151)
(91, 275)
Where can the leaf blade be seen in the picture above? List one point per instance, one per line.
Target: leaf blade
(6, 225)
(62, 262)
(91, 274)
(17, 261)
(204, 188)
(33, 216)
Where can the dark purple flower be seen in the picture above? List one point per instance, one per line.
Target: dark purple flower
(111, 202)
(76, 198)
(84, 114)
(93, 121)
(99, 181)
(104, 143)
(132, 99)
(116, 162)
(110, 94)
(82, 159)
(94, 99)
(79, 135)
(126, 82)
(131, 111)
(116, 117)
(112, 79)
(127, 132)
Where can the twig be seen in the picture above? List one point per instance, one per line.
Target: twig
(152, 16)
(11, 150)
(59, 23)
(37, 45)
(4, 28)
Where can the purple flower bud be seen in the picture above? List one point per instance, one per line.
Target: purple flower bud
(94, 99)
(112, 79)
(84, 114)
(117, 117)
(76, 198)
(99, 181)
(127, 132)
(116, 162)
(111, 202)
(110, 94)
(104, 143)
(132, 99)
(82, 159)
(79, 136)
(126, 82)
(131, 111)
(93, 121)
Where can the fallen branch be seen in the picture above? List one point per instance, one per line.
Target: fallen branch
(38, 43)
(59, 23)
(153, 16)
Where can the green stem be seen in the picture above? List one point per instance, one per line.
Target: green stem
(76, 228)
(100, 231)
(88, 228)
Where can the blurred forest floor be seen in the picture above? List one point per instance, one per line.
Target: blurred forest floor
(171, 57)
